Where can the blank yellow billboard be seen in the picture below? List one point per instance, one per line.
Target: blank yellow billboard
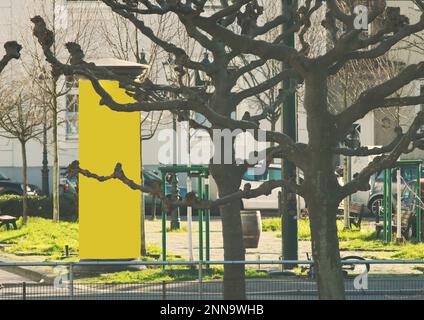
(109, 212)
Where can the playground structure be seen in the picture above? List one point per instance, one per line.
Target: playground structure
(387, 208)
(202, 175)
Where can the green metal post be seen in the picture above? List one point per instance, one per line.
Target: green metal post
(418, 204)
(207, 221)
(385, 207)
(389, 205)
(163, 222)
(200, 217)
(288, 113)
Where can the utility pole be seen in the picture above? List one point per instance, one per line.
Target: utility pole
(288, 113)
(175, 212)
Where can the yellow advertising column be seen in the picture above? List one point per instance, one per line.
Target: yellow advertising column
(109, 212)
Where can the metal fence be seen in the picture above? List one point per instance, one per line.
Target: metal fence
(72, 282)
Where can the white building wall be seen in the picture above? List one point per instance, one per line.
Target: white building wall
(14, 24)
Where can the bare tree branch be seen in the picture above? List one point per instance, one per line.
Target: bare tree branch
(361, 182)
(13, 50)
(191, 199)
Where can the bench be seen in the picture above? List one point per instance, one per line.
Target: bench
(356, 213)
(406, 219)
(7, 221)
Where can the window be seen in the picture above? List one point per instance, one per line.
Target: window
(3, 177)
(274, 174)
(380, 177)
(408, 173)
(251, 175)
(270, 174)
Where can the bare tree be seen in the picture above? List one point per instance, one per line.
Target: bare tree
(21, 118)
(67, 24)
(215, 32)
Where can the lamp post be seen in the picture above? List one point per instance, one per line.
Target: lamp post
(170, 73)
(45, 189)
(352, 141)
(289, 215)
(45, 170)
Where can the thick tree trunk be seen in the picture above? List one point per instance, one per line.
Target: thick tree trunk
(325, 249)
(25, 184)
(228, 180)
(321, 188)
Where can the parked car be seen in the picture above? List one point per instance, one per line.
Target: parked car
(68, 185)
(15, 188)
(375, 200)
(263, 203)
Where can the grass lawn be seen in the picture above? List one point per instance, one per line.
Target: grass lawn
(357, 240)
(274, 225)
(43, 237)
(182, 229)
(171, 274)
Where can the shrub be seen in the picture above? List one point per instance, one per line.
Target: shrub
(37, 207)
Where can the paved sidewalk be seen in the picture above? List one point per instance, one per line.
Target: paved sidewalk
(269, 247)
(269, 244)
(7, 277)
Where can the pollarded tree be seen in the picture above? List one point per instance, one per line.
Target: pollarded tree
(235, 29)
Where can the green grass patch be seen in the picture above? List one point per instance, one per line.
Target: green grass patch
(271, 225)
(182, 229)
(171, 274)
(304, 232)
(274, 225)
(41, 237)
(380, 250)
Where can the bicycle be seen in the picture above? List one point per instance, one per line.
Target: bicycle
(346, 267)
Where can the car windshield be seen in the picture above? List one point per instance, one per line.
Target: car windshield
(270, 174)
(273, 173)
(251, 175)
(3, 177)
(149, 175)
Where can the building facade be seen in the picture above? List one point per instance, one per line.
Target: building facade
(70, 17)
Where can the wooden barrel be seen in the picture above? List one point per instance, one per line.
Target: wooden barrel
(252, 228)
